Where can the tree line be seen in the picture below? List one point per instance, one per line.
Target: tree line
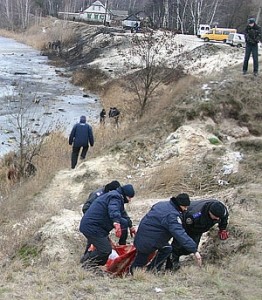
(181, 15)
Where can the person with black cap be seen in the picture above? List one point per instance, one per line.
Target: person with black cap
(200, 216)
(157, 227)
(253, 37)
(126, 220)
(81, 136)
(106, 213)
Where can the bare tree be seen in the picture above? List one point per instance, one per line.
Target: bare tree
(29, 140)
(152, 68)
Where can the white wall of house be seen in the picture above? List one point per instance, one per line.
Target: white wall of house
(96, 13)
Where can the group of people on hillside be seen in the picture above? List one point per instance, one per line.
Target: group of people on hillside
(170, 229)
(113, 113)
(81, 135)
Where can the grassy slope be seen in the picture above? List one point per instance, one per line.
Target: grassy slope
(232, 269)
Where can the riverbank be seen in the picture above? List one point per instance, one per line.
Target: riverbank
(49, 100)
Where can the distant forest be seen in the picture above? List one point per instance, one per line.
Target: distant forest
(182, 15)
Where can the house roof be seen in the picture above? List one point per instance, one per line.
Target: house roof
(98, 3)
(132, 18)
(120, 13)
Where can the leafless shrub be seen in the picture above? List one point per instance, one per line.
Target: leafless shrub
(91, 79)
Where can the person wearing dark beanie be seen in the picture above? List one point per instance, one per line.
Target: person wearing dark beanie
(105, 213)
(181, 200)
(156, 228)
(200, 216)
(81, 137)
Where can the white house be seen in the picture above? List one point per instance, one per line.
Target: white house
(97, 13)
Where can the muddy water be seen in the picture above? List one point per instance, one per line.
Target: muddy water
(29, 86)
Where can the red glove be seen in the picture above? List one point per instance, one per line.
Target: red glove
(118, 231)
(223, 234)
(132, 231)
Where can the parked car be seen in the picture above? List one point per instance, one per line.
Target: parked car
(236, 40)
(217, 34)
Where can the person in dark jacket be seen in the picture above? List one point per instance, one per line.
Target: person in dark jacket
(252, 37)
(81, 136)
(157, 227)
(200, 216)
(105, 213)
(126, 221)
(103, 116)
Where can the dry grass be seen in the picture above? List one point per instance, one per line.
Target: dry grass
(232, 269)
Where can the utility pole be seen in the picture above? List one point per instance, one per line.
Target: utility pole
(258, 15)
(106, 10)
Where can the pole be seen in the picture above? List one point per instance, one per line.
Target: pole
(258, 15)
(106, 10)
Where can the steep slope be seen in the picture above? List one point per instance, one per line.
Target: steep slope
(215, 151)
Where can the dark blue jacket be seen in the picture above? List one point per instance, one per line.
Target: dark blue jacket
(197, 219)
(159, 225)
(104, 211)
(81, 135)
(99, 192)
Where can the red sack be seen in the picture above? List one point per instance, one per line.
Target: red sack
(120, 265)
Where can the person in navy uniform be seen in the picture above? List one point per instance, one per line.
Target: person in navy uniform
(81, 136)
(199, 218)
(126, 221)
(157, 227)
(104, 214)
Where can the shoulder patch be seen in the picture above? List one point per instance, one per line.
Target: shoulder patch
(189, 221)
(179, 220)
(196, 215)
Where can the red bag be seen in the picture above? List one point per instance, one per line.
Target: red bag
(120, 265)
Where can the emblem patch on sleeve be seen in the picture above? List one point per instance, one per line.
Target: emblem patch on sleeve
(189, 221)
(179, 220)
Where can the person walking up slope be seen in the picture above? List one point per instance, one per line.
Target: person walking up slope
(81, 136)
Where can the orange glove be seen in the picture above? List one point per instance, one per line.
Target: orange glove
(118, 230)
(132, 231)
(223, 234)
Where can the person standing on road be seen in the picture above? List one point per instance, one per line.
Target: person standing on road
(81, 136)
(157, 227)
(252, 37)
(200, 216)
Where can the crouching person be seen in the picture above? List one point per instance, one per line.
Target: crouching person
(106, 213)
(200, 216)
(157, 227)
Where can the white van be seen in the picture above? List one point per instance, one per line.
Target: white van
(236, 40)
(202, 28)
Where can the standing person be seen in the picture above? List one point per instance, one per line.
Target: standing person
(252, 37)
(157, 227)
(199, 218)
(102, 116)
(105, 213)
(81, 136)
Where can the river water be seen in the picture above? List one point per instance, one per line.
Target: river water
(29, 86)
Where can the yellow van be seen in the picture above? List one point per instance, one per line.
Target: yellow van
(217, 34)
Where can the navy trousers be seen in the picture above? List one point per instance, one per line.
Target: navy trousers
(251, 49)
